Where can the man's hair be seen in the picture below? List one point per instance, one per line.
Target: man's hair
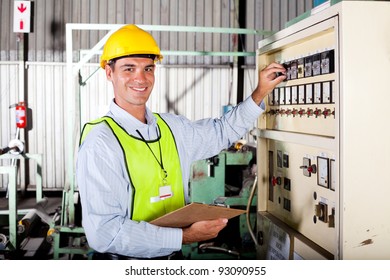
(111, 62)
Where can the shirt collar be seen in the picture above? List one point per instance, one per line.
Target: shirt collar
(129, 122)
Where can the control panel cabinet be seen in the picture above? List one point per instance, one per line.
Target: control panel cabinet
(324, 139)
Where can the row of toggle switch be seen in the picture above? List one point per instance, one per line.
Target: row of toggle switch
(302, 112)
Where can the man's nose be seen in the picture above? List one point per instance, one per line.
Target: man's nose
(139, 76)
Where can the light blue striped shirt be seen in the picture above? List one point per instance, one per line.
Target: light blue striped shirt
(105, 188)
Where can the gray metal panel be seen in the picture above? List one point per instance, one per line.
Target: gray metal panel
(8, 40)
(271, 15)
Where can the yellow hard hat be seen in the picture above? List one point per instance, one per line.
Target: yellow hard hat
(129, 40)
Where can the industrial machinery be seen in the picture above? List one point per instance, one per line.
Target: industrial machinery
(227, 180)
(33, 233)
(323, 193)
(19, 227)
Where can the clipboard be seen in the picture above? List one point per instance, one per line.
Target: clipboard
(195, 212)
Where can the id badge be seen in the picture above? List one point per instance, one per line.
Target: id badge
(164, 193)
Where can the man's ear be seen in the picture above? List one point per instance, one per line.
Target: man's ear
(108, 72)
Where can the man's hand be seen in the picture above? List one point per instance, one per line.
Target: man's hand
(203, 230)
(269, 78)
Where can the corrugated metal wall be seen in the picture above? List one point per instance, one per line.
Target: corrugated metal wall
(195, 91)
(9, 88)
(47, 41)
(192, 92)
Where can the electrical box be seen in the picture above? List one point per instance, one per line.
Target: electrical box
(324, 140)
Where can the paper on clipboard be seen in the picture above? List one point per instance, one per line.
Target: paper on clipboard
(195, 212)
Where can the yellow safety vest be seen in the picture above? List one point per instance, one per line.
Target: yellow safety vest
(145, 171)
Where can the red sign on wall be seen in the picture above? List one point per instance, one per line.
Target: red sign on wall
(22, 16)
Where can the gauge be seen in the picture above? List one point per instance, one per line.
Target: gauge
(276, 96)
(287, 93)
(308, 66)
(301, 68)
(327, 62)
(281, 96)
(326, 92)
(301, 94)
(287, 66)
(294, 97)
(294, 69)
(333, 89)
(316, 64)
(309, 93)
(323, 172)
(317, 93)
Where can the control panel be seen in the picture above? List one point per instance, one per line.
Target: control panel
(314, 135)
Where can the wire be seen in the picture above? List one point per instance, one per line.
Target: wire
(254, 187)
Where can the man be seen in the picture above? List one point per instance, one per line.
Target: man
(133, 166)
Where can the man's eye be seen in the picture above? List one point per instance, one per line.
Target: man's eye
(129, 69)
(149, 69)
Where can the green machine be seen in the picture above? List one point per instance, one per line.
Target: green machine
(227, 180)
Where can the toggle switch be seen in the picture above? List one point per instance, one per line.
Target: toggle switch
(294, 112)
(317, 112)
(301, 112)
(327, 112)
(276, 181)
(307, 167)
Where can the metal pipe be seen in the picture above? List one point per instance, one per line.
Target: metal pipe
(27, 223)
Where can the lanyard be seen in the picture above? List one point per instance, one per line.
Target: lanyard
(159, 147)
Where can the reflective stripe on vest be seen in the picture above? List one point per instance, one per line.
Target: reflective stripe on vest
(145, 173)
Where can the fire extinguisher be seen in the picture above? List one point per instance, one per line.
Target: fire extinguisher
(21, 115)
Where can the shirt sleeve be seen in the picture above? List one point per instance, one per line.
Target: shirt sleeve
(106, 197)
(207, 137)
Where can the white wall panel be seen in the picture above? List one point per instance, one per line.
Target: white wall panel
(46, 99)
(9, 88)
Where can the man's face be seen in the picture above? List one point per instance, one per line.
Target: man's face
(133, 81)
